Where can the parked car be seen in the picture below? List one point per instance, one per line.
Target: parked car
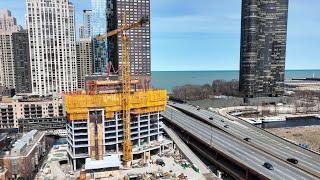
(293, 160)
(247, 139)
(268, 166)
(226, 126)
(211, 118)
(198, 109)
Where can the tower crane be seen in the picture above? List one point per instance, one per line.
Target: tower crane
(125, 80)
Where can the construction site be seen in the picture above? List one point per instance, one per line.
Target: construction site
(96, 126)
(115, 123)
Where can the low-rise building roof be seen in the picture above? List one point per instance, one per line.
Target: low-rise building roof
(111, 161)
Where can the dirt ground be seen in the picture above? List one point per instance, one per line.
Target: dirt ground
(301, 135)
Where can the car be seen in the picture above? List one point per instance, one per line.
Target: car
(160, 162)
(226, 126)
(247, 139)
(211, 118)
(268, 166)
(293, 160)
(198, 109)
(222, 120)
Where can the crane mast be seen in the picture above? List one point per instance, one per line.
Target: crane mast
(126, 81)
(126, 89)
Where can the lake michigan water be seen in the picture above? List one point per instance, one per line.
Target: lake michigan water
(170, 79)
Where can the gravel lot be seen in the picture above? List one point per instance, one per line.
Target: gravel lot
(301, 135)
(218, 103)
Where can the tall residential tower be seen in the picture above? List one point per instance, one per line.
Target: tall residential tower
(263, 47)
(84, 60)
(8, 25)
(140, 37)
(51, 27)
(86, 27)
(22, 68)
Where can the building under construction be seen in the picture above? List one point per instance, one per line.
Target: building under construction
(95, 125)
(115, 119)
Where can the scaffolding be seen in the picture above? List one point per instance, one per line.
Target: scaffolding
(78, 105)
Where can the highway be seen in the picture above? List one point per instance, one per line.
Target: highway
(234, 148)
(308, 161)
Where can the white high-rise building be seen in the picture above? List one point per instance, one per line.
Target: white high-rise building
(87, 21)
(8, 25)
(51, 27)
(82, 30)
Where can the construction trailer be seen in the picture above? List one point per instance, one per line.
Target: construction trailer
(95, 124)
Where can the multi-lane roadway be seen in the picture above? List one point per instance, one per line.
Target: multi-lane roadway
(228, 137)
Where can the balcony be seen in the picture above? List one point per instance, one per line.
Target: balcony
(81, 140)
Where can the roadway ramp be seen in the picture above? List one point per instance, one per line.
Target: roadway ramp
(186, 151)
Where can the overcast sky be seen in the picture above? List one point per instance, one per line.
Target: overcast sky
(205, 34)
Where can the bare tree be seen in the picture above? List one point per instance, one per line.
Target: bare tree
(197, 92)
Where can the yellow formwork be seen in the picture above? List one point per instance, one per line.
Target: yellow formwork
(77, 106)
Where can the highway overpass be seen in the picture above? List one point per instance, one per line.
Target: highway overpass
(245, 159)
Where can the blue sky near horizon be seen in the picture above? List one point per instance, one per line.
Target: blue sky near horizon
(205, 34)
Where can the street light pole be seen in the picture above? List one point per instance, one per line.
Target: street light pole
(211, 137)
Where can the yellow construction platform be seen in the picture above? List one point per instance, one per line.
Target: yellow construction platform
(78, 105)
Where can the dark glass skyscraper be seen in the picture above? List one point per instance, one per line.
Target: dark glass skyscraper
(263, 47)
(140, 37)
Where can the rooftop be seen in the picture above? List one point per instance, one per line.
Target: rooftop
(30, 98)
(111, 161)
(25, 144)
(20, 144)
(5, 99)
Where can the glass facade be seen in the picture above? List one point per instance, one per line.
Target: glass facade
(99, 26)
(99, 16)
(100, 56)
(263, 47)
